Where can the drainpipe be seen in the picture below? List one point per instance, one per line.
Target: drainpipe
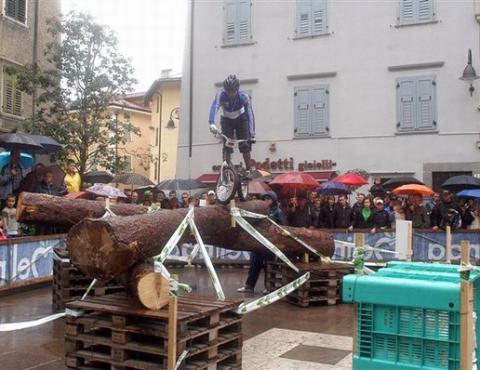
(35, 58)
(190, 112)
(160, 103)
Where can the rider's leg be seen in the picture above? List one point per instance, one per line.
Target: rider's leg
(247, 157)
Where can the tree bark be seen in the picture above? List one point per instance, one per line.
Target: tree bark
(105, 248)
(49, 209)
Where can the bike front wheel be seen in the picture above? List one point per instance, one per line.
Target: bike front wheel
(226, 186)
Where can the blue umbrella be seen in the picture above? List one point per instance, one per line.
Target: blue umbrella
(26, 160)
(333, 188)
(472, 194)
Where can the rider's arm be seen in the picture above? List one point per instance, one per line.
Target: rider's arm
(213, 109)
(251, 117)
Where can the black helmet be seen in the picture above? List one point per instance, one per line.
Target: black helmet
(231, 83)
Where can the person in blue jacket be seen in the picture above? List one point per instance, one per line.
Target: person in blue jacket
(237, 120)
(258, 260)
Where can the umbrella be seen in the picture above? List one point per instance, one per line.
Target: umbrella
(257, 187)
(181, 184)
(26, 160)
(413, 189)
(16, 141)
(107, 191)
(260, 173)
(395, 182)
(131, 178)
(471, 194)
(293, 181)
(98, 177)
(333, 188)
(351, 179)
(49, 144)
(458, 183)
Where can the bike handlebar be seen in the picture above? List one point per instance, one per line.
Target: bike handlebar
(225, 138)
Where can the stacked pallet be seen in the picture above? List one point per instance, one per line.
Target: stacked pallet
(323, 287)
(113, 332)
(69, 283)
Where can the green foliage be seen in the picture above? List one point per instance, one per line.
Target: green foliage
(87, 73)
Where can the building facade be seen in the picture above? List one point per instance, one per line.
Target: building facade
(23, 39)
(338, 85)
(137, 150)
(163, 97)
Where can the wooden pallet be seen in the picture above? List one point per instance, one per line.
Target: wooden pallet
(115, 333)
(323, 287)
(69, 283)
(218, 263)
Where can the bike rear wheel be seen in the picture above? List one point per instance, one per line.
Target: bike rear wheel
(243, 189)
(227, 185)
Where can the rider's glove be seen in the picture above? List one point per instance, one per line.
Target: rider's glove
(213, 129)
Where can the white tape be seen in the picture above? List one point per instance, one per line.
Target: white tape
(175, 238)
(94, 281)
(30, 324)
(272, 297)
(181, 358)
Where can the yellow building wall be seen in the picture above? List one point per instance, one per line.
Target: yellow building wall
(164, 140)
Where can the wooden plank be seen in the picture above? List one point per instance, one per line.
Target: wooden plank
(466, 313)
(448, 244)
(172, 333)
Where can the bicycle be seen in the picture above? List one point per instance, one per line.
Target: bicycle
(230, 180)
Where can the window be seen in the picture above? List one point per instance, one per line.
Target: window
(16, 9)
(312, 111)
(237, 27)
(416, 104)
(416, 11)
(311, 18)
(11, 97)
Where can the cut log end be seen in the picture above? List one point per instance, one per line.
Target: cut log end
(152, 290)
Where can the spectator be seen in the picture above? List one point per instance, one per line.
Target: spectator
(9, 217)
(161, 200)
(359, 204)
(317, 207)
(417, 213)
(299, 213)
(172, 194)
(128, 194)
(398, 211)
(363, 218)
(185, 198)
(3, 234)
(466, 214)
(174, 203)
(193, 202)
(211, 198)
(377, 189)
(445, 213)
(475, 225)
(11, 176)
(327, 214)
(72, 177)
(343, 213)
(47, 186)
(259, 259)
(134, 197)
(381, 218)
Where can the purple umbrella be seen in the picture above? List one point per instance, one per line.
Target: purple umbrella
(333, 188)
(102, 190)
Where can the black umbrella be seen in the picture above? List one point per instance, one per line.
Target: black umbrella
(131, 179)
(98, 177)
(458, 183)
(15, 141)
(395, 182)
(49, 144)
(180, 184)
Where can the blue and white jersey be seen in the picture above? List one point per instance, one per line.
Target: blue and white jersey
(232, 110)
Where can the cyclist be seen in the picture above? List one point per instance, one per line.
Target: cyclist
(237, 118)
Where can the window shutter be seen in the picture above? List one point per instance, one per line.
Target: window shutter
(304, 11)
(230, 32)
(21, 10)
(10, 8)
(319, 16)
(406, 104)
(426, 103)
(244, 20)
(7, 93)
(425, 10)
(302, 112)
(407, 11)
(319, 110)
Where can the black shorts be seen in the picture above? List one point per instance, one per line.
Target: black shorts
(237, 129)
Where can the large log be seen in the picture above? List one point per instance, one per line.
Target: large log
(105, 248)
(49, 209)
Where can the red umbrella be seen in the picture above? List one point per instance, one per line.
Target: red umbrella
(293, 181)
(257, 187)
(351, 179)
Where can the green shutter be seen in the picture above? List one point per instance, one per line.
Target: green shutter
(406, 106)
(319, 107)
(230, 34)
(319, 16)
(12, 97)
(426, 103)
(415, 11)
(302, 112)
(304, 12)
(244, 20)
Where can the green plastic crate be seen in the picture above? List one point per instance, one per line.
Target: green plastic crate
(408, 316)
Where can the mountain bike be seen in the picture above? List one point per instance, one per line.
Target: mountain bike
(231, 179)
